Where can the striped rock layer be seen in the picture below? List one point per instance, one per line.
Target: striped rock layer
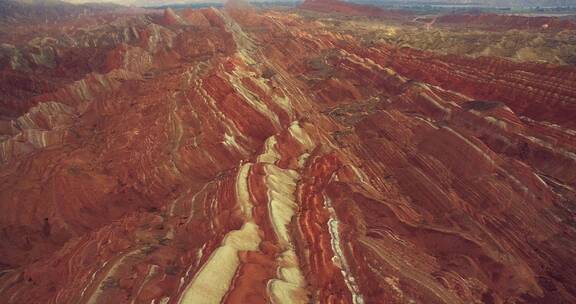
(244, 156)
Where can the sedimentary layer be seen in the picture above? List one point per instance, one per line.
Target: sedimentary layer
(243, 156)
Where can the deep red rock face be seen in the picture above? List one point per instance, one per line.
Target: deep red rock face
(245, 156)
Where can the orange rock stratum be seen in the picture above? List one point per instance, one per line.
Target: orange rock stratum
(242, 155)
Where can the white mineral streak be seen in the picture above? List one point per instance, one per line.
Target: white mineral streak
(250, 98)
(230, 141)
(94, 297)
(242, 192)
(300, 135)
(282, 203)
(212, 282)
(289, 286)
(152, 271)
(270, 155)
(339, 259)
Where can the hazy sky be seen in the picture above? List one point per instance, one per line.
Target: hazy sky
(489, 2)
(141, 2)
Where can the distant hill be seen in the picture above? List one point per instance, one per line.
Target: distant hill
(11, 10)
(498, 3)
(149, 2)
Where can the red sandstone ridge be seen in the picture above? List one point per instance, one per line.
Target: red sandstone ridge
(171, 18)
(258, 156)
